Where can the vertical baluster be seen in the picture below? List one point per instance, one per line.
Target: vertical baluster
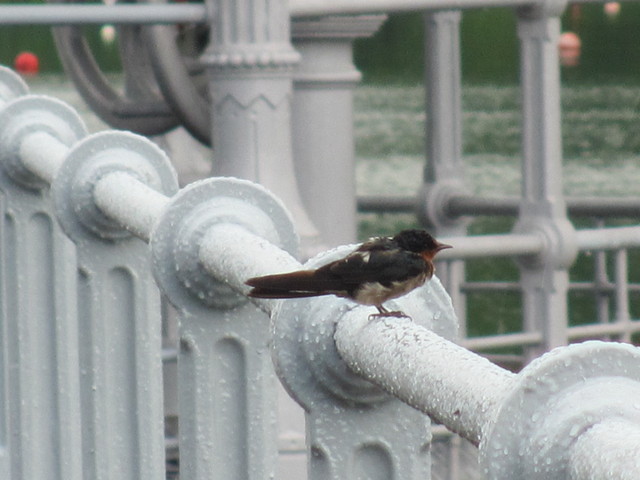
(227, 386)
(601, 281)
(623, 315)
(119, 326)
(11, 87)
(444, 169)
(544, 279)
(39, 428)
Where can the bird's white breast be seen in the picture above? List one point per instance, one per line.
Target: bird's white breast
(374, 293)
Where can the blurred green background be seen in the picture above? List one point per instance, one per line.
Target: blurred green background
(610, 46)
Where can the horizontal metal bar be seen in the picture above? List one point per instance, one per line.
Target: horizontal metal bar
(141, 13)
(386, 352)
(602, 287)
(591, 330)
(475, 205)
(492, 246)
(43, 154)
(610, 238)
(462, 205)
(603, 206)
(608, 288)
(132, 203)
(223, 253)
(577, 332)
(470, 287)
(391, 204)
(577, 206)
(315, 8)
(507, 340)
(73, 14)
(70, 14)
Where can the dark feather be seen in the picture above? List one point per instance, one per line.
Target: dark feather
(304, 283)
(398, 264)
(383, 266)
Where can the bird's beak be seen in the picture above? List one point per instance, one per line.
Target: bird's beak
(442, 246)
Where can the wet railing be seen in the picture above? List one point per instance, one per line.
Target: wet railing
(91, 223)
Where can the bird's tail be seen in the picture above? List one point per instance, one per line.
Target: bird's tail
(304, 283)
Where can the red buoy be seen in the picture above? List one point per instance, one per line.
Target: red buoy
(570, 49)
(27, 63)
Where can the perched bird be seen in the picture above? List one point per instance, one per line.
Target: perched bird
(379, 270)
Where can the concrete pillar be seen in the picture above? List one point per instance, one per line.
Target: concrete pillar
(250, 61)
(323, 136)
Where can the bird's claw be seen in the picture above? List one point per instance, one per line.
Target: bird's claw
(395, 314)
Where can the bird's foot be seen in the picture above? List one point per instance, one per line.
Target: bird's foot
(389, 313)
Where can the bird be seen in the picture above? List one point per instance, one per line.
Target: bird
(381, 269)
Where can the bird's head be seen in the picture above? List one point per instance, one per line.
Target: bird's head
(419, 241)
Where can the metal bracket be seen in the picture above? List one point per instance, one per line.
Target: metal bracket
(92, 159)
(34, 114)
(190, 216)
(561, 247)
(433, 207)
(553, 401)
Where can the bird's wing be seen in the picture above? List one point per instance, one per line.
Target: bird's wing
(381, 265)
(303, 283)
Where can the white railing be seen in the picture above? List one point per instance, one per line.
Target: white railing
(81, 335)
(89, 222)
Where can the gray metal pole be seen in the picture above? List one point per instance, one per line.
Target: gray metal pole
(444, 170)
(322, 128)
(40, 430)
(72, 14)
(544, 279)
(415, 364)
(227, 386)
(313, 8)
(250, 63)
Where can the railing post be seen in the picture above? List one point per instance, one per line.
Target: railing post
(227, 387)
(544, 278)
(39, 425)
(323, 137)
(353, 428)
(119, 326)
(444, 169)
(250, 63)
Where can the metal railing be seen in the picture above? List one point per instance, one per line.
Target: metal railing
(81, 311)
(83, 351)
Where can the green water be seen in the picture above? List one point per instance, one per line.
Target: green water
(600, 126)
